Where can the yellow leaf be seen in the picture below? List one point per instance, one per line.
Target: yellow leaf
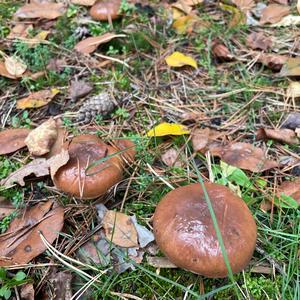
(37, 99)
(168, 129)
(238, 18)
(176, 13)
(184, 24)
(40, 37)
(178, 59)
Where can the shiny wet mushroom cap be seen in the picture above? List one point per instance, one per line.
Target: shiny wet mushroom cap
(185, 233)
(74, 179)
(105, 10)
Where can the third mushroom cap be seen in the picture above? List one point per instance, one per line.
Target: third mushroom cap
(185, 233)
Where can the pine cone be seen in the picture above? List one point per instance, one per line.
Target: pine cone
(101, 104)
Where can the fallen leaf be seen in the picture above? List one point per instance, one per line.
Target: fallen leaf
(6, 208)
(291, 67)
(56, 64)
(265, 205)
(203, 138)
(79, 89)
(37, 39)
(244, 156)
(145, 236)
(21, 242)
(84, 2)
(178, 59)
(183, 6)
(119, 229)
(291, 189)
(160, 262)
(272, 61)
(257, 40)
(4, 72)
(168, 129)
(37, 99)
(238, 18)
(292, 121)
(90, 44)
(286, 136)
(27, 291)
(244, 5)
(289, 20)
(39, 167)
(20, 30)
(170, 158)
(273, 13)
(58, 144)
(293, 90)
(40, 10)
(15, 66)
(12, 140)
(185, 24)
(220, 51)
(40, 140)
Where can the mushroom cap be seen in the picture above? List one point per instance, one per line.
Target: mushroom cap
(103, 9)
(185, 233)
(73, 178)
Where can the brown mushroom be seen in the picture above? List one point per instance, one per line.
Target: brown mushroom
(75, 179)
(185, 233)
(105, 10)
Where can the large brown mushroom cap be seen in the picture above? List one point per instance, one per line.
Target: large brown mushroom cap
(105, 10)
(185, 233)
(73, 178)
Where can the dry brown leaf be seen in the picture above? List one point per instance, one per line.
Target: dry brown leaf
(21, 242)
(119, 229)
(12, 140)
(58, 144)
(56, 64)
(203, 138)
(244, 5)
(15, 66)
(244, 156)
(27, 291)
(272, 61)
(39, 167)
(257, 40)
(290, 188)
(273, 13)
(220, 51)
(20, 30)
(84, 2)
(79, 89)
(37, 99)
(286, 136)
(170, 158)
(4, 72)
(291, 67)
(40, 140)
(90, 44)
(41, 10)
(182, 6)
(6, 208)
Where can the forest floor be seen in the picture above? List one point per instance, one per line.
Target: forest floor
(238, 81)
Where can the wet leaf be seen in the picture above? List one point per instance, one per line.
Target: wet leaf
(21, 242)
(178, 59)
(244, 156)
(84, 2)
(40, 140)
(168, 129)
(273, 13)
(15, 66)
(39, 167)
(257, 40)
(41, 10)
(291, 67)
(12, 140)
(79, 89)
(286, 136)
(37, 99)
(119, 229)
(90, 44)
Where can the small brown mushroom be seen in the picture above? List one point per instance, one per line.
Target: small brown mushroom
(185, 233)
(105, 10)
(75, 179)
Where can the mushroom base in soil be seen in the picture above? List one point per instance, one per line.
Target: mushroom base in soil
(84, 150)
(184, 230)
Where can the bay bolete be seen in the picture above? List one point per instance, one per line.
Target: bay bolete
(185, 233)
(105, 10)
(74, 178)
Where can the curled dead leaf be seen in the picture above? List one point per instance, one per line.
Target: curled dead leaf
(12, 140)
(21, 242)
(119, 229)
(219, 50)
(286, 136)
(245, 156)
(40, 140)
